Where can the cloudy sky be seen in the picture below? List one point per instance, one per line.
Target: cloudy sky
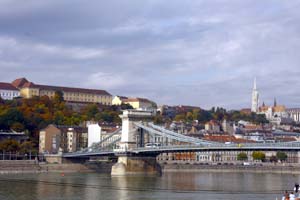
(204, 53)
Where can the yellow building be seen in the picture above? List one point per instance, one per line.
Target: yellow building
(140, 103)
(29, 89)
(136, 103)
(118, 100)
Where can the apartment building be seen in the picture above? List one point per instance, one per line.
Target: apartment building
(54, 139)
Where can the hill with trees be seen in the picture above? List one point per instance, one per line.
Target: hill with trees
(32, 115)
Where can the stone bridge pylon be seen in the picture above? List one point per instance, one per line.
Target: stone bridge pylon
(132, 137)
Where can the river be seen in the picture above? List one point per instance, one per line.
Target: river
(175, 186)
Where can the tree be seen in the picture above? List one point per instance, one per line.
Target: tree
(28, 147)
(91, 110)
(1, 100)
(242, 156)
(58, 97)
(126, 106)
(9, 145)
(158, 119)
(258, 155)
(189, 117)
(179, 117)
(281, 156)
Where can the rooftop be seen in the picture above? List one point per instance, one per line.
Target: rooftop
(23, 82)
(7, 86)
(137, 99)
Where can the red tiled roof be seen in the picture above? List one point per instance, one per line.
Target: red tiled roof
(19, 82)
(226, 138)
(7, 86)
(29, 85)
(23, 82)
(286, 139)
(66, 89)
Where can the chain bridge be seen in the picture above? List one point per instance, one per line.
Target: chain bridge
(139, 141)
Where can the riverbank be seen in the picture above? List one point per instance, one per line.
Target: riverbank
(31, 166)
(269, 168)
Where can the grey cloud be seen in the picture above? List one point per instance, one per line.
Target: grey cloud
(202, 53)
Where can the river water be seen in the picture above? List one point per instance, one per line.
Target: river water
(175, 186)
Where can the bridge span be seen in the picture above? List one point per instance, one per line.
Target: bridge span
(129, 144)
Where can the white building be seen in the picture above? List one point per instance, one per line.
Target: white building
(94, 134)
(294, 114)
(8, 91)
(255, 98)
(228, 127)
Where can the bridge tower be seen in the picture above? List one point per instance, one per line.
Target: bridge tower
(132, 137)
(130, 134)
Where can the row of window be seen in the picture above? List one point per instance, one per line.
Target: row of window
(9, 94)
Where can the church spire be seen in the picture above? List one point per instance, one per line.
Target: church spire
(275, 102)
(255, 96)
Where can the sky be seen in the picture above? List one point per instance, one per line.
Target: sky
(204, 53)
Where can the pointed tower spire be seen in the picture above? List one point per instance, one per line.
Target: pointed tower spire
(255, 96)
(263, 104)
(275, 102)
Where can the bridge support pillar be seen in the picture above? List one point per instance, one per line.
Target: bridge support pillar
(136, 165)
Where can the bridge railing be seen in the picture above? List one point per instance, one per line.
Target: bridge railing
(220, 146)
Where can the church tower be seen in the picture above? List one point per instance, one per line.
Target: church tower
(254, 106)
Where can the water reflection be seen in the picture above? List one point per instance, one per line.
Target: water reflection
(208, 185)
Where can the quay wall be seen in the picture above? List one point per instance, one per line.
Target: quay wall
(28, 166)
(25, 166)
(282, 169)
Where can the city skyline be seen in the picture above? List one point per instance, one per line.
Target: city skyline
(205, 54)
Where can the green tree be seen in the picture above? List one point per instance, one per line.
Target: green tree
(189, 117)
(242, 156)
(196, 114)
(91, 110)
(28, 147)
(281, 156)
(258, 155)
(58, 118)
(126, 106)
(204, 116)
(179, 117)
(58, 96)
(9, 145)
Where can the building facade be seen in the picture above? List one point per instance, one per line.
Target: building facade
(136, 103)
(294, 114)
(210, 157)
(30, 89)
(8, 91)
(118, 100)
(54, 139)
